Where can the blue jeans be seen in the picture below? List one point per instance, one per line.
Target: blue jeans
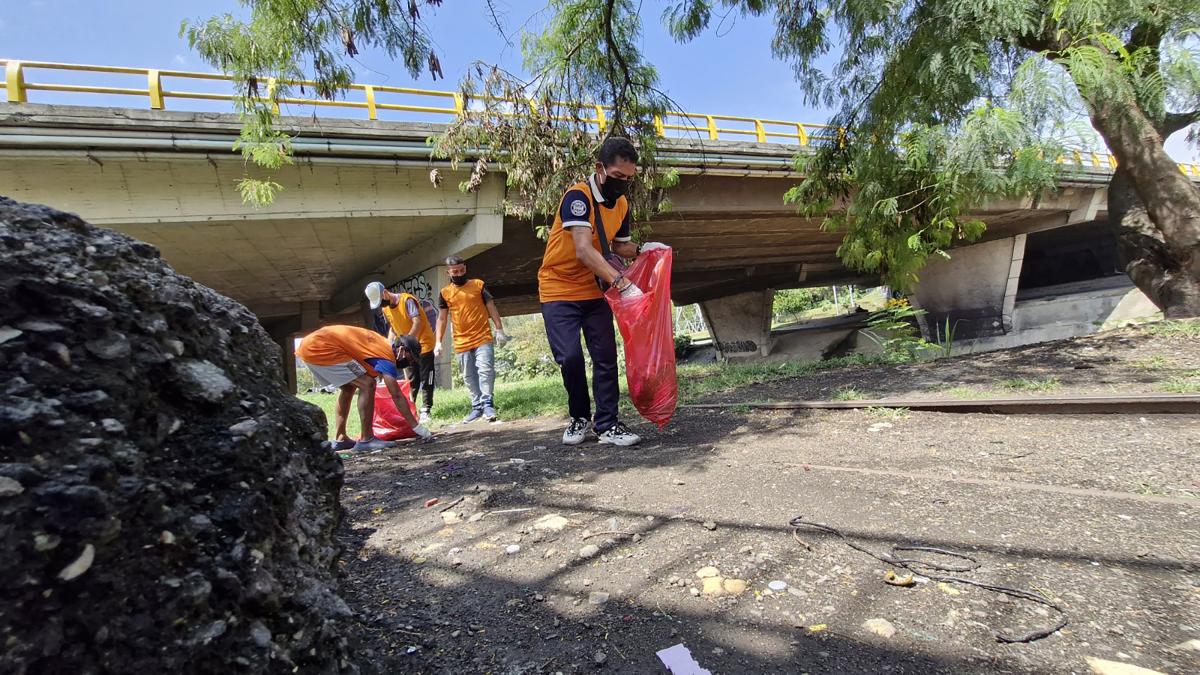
(479, 372)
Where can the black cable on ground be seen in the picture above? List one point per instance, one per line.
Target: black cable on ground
(929, 569)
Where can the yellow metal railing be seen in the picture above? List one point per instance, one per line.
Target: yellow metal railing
(375, 98)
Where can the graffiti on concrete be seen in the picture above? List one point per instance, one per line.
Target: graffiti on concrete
(418, 285)
(737, 346)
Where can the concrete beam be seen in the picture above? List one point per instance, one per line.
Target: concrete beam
(483, 231)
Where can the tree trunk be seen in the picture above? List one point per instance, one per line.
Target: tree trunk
(1143, 252)
(1155, 208)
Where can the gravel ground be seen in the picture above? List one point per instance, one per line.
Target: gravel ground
(1099, 513)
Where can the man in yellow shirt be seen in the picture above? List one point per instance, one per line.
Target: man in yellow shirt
(405, 316)
(350, 358)
(467, 305)
(569, 286)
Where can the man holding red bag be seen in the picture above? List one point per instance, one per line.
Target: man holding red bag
(593, 219)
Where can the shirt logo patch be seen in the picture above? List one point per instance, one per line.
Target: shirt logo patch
(578, 208)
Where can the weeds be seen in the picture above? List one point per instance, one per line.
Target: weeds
(849, 394)
(966, 393)
(1153, 363)
(887, 413)
(1184, 383)
(1186, 328)
(1026, 384)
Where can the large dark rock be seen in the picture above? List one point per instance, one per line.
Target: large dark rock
(165, 506)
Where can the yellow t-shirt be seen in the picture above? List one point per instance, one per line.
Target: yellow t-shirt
(562, 276)
(398, 318)
(331, 345)
(468, 314)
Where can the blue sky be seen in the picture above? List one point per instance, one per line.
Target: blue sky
(730, 71)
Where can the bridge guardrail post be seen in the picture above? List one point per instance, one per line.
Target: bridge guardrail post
(372, 113)
(713, 135)
(154, 81)
(759, 132)
(601, 121)
(14, 80)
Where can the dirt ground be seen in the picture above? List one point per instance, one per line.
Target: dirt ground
(1100, 513)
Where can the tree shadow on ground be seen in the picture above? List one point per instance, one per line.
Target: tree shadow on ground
(428, 612)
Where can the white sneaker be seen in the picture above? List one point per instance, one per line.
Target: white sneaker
(424, 419)
(618, 434)
(576, 431)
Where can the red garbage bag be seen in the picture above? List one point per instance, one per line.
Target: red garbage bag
(387, 423)
(646, 325)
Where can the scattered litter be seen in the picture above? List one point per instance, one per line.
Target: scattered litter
(818, 627)
(679, 661)
(512, 549)
(497, 513)
(8, 333)
(452, 504)
(893, 579)
(710, 525)
(777, 585)
(81, 564)
(431, 502)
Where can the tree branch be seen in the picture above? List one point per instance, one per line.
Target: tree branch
(1173, 122)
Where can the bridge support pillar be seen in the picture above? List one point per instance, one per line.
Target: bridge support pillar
(740, 324)
(975, 289)
(286, 340)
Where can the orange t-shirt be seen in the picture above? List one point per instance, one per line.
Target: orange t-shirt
(468, 314)
(401, 323)
(331, 345)
(562, 276)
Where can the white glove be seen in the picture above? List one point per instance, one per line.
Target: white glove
(437, 350)
(631, 291)
(652, 246)
(423, 432)
(502, 338)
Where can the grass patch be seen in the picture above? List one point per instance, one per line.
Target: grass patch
(849, 394)
(887, 413)
(1186, 328)
(539, 396)
(545, 395)
(1152, 363)
(699, 380)
(1184, 383)
(1026, 384)
(965, 393)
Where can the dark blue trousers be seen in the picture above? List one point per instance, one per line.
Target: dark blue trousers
(565, 320)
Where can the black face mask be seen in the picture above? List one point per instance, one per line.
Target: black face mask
(613, 188)
(458, 281)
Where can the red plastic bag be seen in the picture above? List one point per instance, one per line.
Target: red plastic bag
(646, 325)
(387, 423)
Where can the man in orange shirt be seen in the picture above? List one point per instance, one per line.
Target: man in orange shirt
(468, 305)
(593, 218)
(404, 316)
(351, 358)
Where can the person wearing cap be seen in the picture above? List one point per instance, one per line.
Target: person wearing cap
(468, 305)
(350, 358)
(594, 217)
(404, 316)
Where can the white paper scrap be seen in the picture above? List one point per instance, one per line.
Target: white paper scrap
(679, 661)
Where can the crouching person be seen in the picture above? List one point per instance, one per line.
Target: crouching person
(350, 358)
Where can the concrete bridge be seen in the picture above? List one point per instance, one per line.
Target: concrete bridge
(358, 206)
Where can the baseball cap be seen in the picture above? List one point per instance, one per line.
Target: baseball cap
(374, 293)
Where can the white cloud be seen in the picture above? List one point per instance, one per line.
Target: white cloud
(180, 60)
